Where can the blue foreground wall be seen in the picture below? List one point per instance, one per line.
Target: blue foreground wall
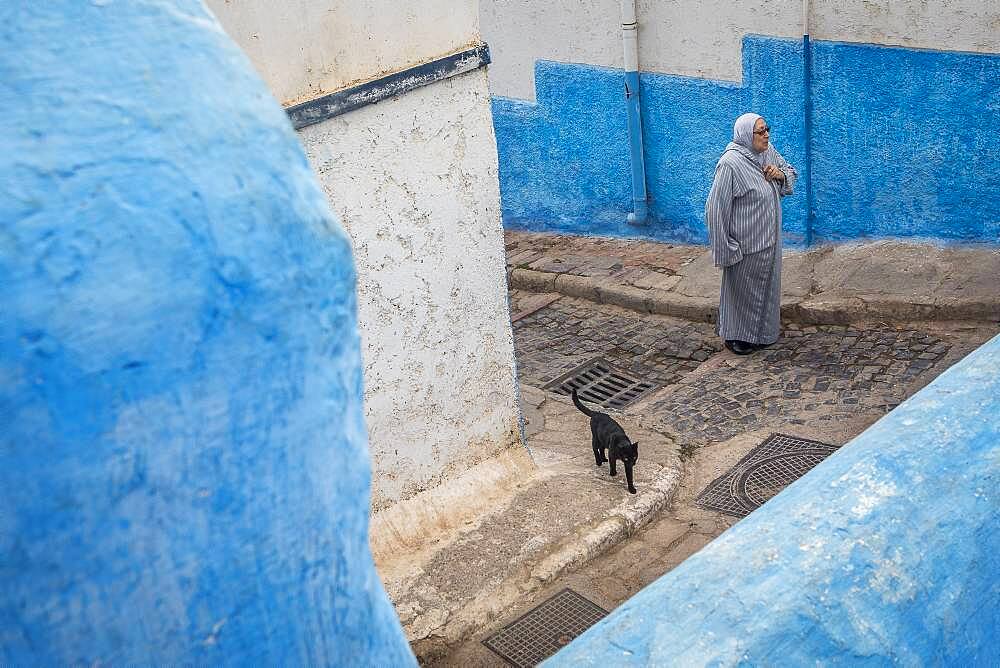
(886, 553)
(183, 469)
(902, 143)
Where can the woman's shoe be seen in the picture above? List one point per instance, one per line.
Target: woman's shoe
(740, 347)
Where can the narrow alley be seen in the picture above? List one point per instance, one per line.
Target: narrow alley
(708, 407)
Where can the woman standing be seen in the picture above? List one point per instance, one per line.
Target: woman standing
(743, 213)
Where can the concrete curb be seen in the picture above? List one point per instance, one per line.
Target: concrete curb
(821, 310)
(811, 310)
(602, 291)
(612, 530)
(455, 626)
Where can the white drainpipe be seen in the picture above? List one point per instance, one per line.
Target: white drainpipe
(630, 43)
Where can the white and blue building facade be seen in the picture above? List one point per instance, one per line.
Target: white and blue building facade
(888, 110)
(236, 323)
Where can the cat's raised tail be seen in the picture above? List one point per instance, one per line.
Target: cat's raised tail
(583, 409)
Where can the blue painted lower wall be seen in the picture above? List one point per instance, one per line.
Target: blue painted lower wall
(902, 144)
(887, 553)
(184, 477)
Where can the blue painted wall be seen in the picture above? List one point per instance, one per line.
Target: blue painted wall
(562, 163)
(887, 553)
(901, 144)
(904, 143)
(183, 469)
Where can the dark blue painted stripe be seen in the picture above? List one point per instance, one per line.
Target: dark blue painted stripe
(334, 104)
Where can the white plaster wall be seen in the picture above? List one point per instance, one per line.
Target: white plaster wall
(520, 32)
(307, 48)
(414, 181)
(953, 25)
(703, 38)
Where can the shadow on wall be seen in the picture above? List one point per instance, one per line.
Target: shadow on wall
(902, 144)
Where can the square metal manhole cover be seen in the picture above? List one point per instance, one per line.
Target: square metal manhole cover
(598, 382)
(543, 631)
(770, 467)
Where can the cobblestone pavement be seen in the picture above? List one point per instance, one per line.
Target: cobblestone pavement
(817, 373)
(824, 373)
(569, 332)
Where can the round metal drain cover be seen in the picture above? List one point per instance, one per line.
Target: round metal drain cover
(765, 471)
(761, 480)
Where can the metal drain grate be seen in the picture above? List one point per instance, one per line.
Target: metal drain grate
(598, 382)
(770, 467)
(544, 630)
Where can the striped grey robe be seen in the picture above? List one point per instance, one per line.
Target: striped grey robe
(743, 213)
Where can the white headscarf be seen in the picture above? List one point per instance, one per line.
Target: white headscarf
(743, 133)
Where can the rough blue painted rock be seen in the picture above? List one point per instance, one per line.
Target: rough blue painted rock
(183, 468)
(901, 144)
(887, 553)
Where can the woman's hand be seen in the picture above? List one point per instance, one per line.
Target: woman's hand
(772, 173)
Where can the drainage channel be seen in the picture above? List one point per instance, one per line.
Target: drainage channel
(545, 629)
(599, 382)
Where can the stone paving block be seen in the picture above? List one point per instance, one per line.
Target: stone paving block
(626, 274)
(555, 265)
(530, 303)
(522, 257)
(605, 263)
(656, 281)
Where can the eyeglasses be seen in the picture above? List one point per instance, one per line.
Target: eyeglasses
(764, 130)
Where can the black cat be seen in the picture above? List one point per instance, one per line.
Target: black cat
(606, 434)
